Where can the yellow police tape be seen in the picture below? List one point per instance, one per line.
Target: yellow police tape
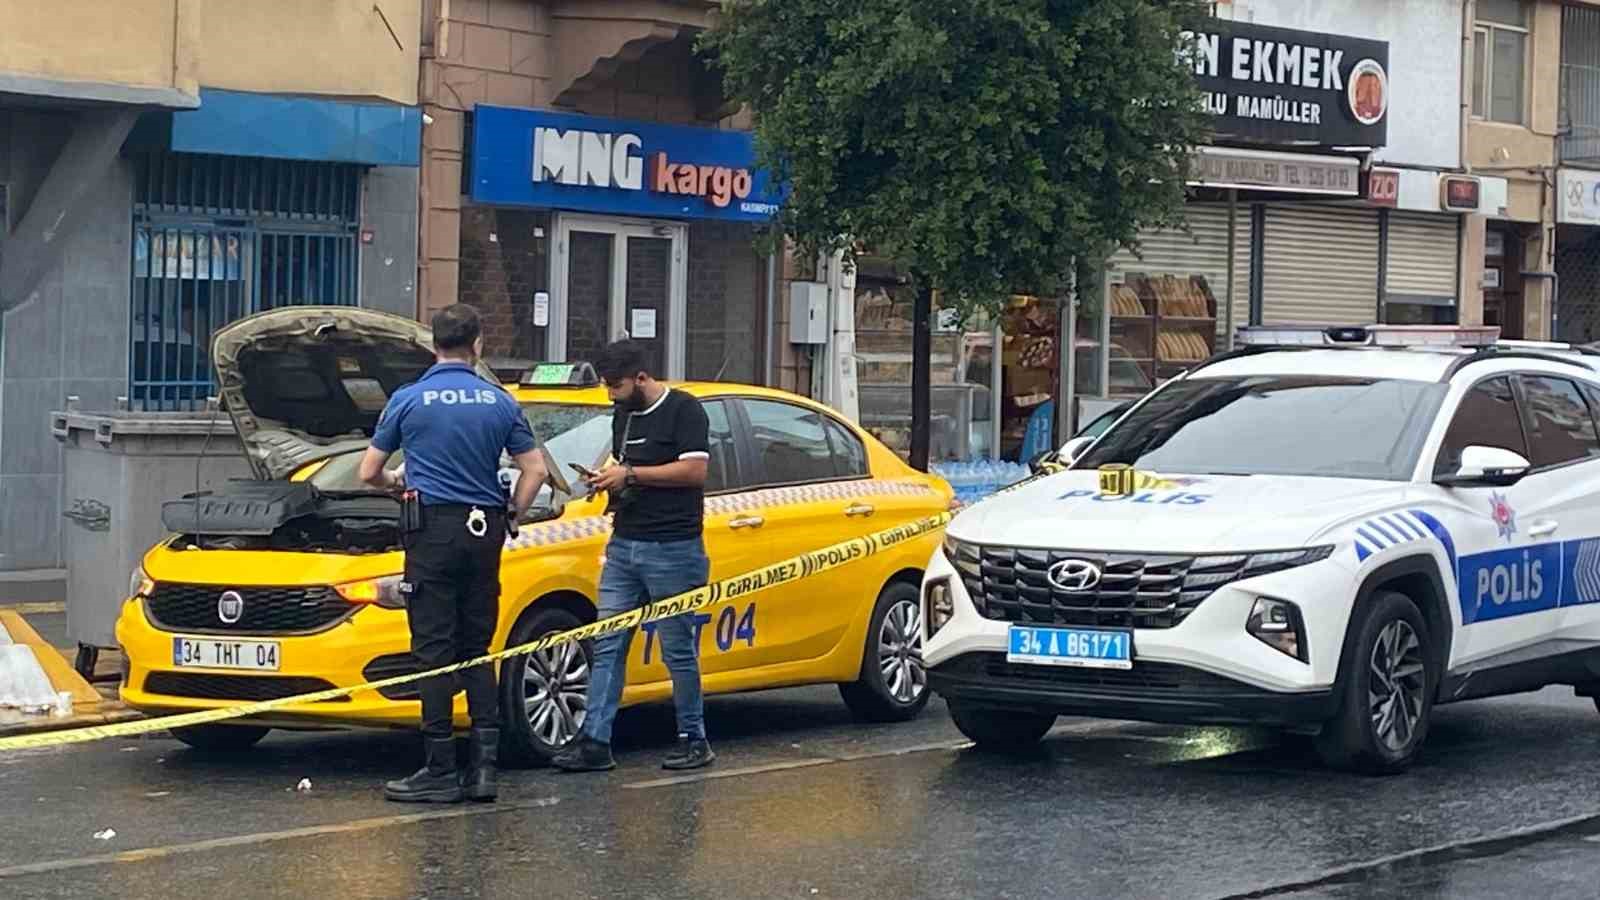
(789, 570)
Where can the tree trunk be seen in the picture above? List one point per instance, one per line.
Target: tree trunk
(921, 374)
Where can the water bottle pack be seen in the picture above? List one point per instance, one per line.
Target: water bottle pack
(976, 479)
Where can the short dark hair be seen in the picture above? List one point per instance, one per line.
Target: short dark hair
(621, 359)
(455, 327)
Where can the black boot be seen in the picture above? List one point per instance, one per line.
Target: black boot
(483, 752)
(435, 782)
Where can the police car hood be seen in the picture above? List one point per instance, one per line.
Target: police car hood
(1171, 512)
(305, 383)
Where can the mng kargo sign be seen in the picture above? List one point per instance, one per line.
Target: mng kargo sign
(565, 161)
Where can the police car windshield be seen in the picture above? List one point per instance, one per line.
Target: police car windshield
(573, 433)
(1305, 425)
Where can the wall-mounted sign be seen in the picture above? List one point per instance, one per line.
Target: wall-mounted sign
(1281, 86)
(1494, 244)
(1265, 171)
(1491, 277)
(1460, 193)
(1579, 202)
(1383, 187)
(526, 157)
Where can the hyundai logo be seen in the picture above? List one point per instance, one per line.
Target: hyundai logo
(230, 607)
(1075, 576)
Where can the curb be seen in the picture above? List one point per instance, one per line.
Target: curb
(41, 724)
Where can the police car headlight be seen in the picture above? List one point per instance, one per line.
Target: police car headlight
(384, 592)
(966, 558)
(939, 605)
(1277, 624)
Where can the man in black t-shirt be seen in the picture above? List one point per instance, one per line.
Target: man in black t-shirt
(656, 490)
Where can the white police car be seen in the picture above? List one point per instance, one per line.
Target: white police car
(1330, 531)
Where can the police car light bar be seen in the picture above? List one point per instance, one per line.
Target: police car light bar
(1367, 335)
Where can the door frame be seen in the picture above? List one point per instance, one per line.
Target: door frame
(620, 229)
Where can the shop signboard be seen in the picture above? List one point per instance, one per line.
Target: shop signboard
(1383, 187)
(1579, 202)
(1300, 173)
(186, 255)
(565, 161)
(1282, 86)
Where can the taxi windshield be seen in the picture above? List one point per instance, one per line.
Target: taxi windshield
(1301, 425)
(572, 432)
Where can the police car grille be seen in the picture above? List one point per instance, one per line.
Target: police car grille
(234, 687)
(1135, 591)
(267, 610)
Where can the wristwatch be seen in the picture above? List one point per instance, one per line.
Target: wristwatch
(630, 479)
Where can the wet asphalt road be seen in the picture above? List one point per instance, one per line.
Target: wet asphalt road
(804, 803)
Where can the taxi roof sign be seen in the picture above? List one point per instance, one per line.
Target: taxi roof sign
(575, 375)
(1466, 336)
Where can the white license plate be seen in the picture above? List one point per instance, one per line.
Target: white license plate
(221, 653)
(1086, 647)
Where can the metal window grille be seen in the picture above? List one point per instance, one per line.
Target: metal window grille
(218, 238)
(1580, 85)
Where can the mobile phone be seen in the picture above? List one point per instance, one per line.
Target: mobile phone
(584, 470)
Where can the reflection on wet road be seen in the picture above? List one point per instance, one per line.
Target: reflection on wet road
(805, 803)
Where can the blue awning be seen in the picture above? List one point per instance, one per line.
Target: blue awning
(238, 123)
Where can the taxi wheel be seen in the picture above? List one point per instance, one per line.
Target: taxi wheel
(893, 686)
(1000, 729)
(220, 738)
(1385, 691)
(543, 695)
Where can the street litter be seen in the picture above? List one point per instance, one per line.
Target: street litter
(304, 785)
(106, 835)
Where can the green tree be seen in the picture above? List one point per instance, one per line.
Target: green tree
(982, 144)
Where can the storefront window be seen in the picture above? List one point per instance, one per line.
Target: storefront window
(727, 295)
(1161, 324)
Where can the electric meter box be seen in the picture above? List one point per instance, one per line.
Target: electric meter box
(808, 313)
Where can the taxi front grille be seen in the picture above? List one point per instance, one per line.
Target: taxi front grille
(248, 688)
(197, 608)
(1134, 591)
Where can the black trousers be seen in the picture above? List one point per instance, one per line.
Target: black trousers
(453, 579)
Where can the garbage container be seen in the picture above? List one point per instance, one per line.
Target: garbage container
(118, 467)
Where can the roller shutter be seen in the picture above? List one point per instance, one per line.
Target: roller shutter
(1319, 265)
(1203, 251)
(1422, 258)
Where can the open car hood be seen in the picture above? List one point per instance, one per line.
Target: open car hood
(304, 383)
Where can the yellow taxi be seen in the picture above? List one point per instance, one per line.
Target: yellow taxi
(288, 583)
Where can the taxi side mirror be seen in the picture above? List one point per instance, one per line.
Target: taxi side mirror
(1487, 467)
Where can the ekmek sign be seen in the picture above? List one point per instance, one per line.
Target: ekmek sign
(526, 157)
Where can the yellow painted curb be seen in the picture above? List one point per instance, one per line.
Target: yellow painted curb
(63, 677)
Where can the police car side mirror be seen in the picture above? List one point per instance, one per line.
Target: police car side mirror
(1487, 467)
(1071, 450)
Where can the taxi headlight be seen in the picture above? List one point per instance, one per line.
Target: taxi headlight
(139, 584)
(1277, 624)
(939, 605)
(384, 592)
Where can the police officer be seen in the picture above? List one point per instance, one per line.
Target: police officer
(453, 425)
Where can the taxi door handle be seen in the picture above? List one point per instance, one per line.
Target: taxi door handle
(860, 509)
(738, 522)
(1542, 528)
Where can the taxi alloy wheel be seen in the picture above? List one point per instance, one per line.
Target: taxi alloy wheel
(544, 695)
(555, 683)
(893, 685)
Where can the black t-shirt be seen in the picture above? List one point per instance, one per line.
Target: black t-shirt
(673, 428)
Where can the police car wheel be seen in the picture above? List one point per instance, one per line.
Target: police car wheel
(1000, 729)
(1385, 688)
(893, 682)
(543, 696)
(220, 738)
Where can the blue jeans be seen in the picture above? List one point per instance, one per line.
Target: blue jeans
(637, 573)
